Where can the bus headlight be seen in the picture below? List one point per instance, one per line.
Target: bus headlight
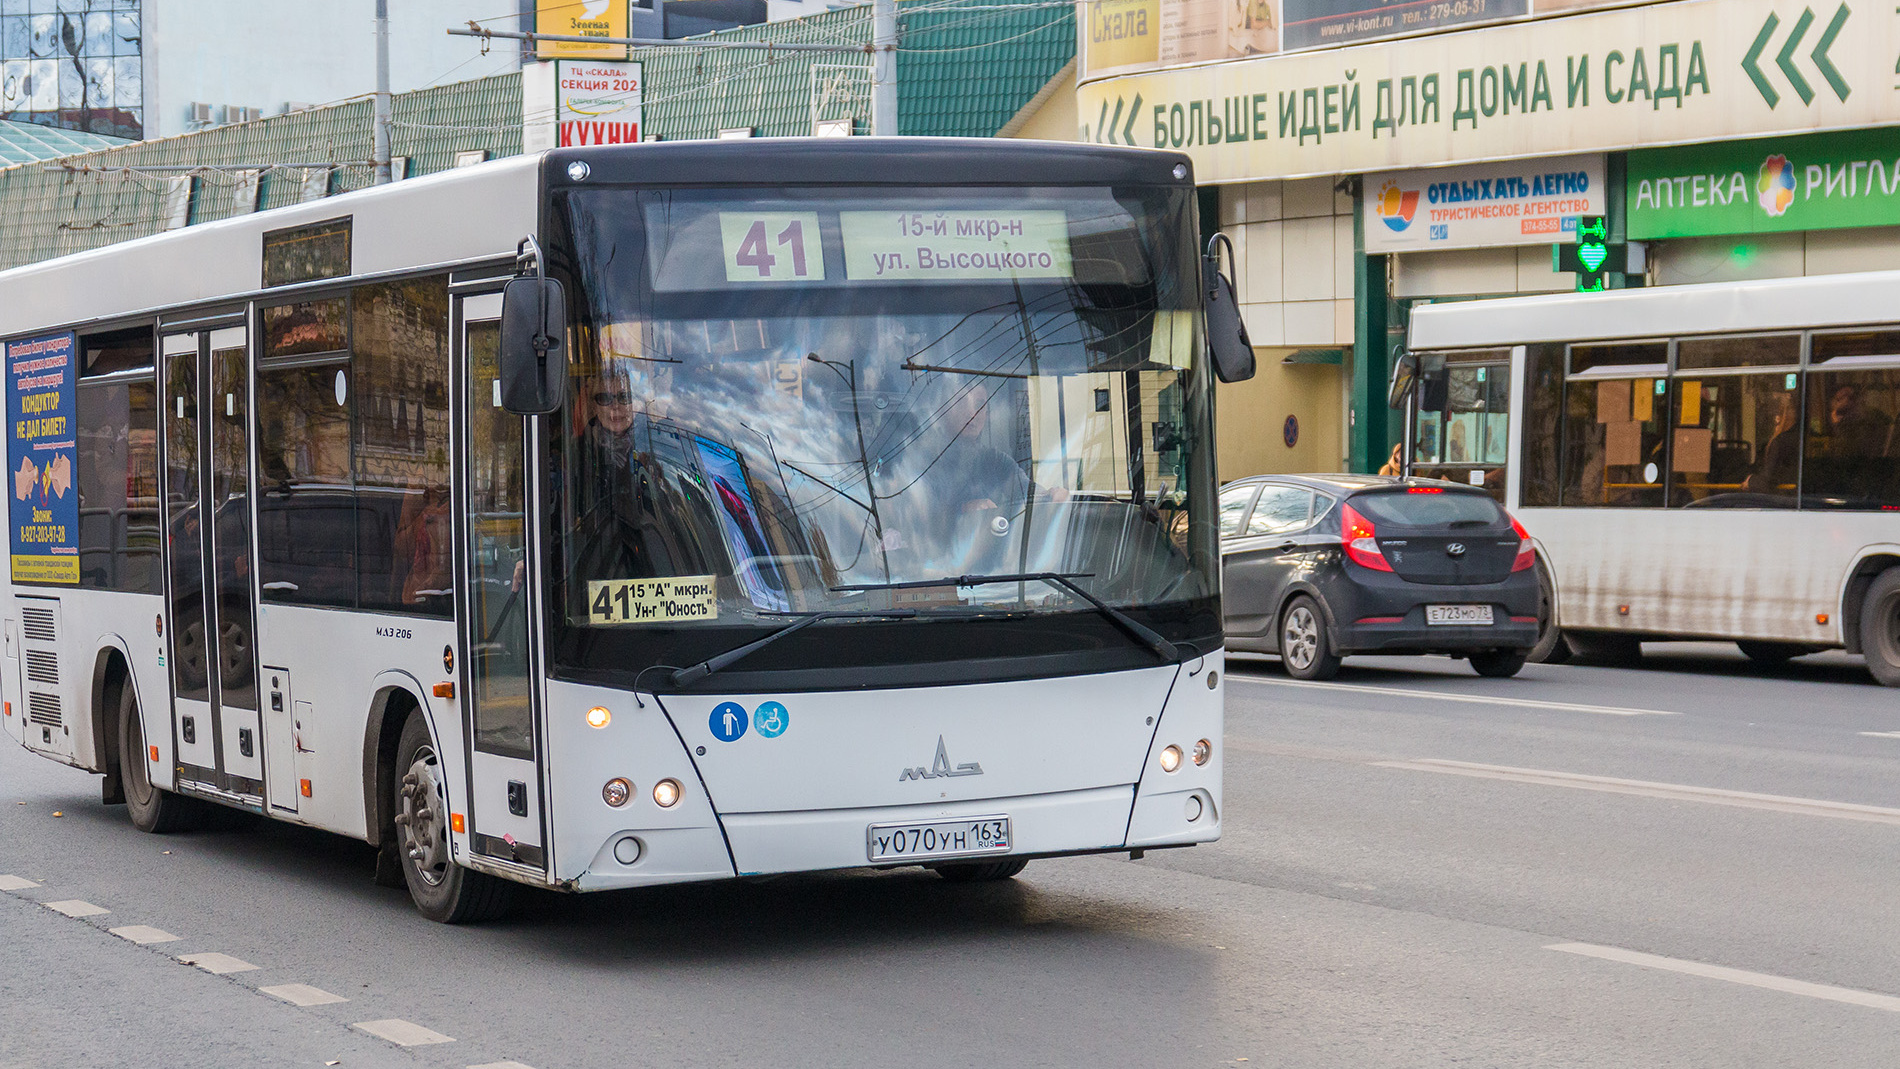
(1203, 752)
(616, 792)
(599, 716)
(1171, 759)
(666, 793)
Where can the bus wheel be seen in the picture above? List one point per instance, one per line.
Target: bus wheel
(1605, 648)
(1773, 653)
(1880, 627)
(982, 871)
(1304, 648)
(1551, 647)
(152, 809)
(443, 890)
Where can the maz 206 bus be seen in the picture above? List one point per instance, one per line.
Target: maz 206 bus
(1712, 461)
(639, 515)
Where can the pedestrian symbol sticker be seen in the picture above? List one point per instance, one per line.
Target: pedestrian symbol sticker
(728, 721)
(771, 719)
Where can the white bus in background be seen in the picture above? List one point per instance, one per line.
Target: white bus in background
(1713, 461)
(625, 516)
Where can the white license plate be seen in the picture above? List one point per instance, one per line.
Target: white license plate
(1459, 615)
(938, 838)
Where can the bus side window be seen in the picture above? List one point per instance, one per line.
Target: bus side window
(117, 463)
(404, 532)
(1853, 441)
(1543, 418)
(306, 505)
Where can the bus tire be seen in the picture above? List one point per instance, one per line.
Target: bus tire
(1773, 653)
(1605, 649)
(1304, 648)
(442, 890)
(1498, 664)
(982, 871)
(152, 809)
(1551, 647)
(1880, 627)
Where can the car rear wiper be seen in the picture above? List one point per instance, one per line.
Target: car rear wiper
(1146, 635)
(686, 676)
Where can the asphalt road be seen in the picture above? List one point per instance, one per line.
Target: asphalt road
(1688, 864)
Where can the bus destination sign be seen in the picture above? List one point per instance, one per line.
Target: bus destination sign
(955, 246)
(41, 375)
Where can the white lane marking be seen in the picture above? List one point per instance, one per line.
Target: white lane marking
(217, 963)
(1774, 803)
(143, 934)
(502, 1065)
(1474, 699)
(402, 1033)
(302, 995)
(75, 908)
(1848, 995)
(1882, 734)
(15, 883)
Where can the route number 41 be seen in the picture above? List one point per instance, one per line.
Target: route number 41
(772, 246)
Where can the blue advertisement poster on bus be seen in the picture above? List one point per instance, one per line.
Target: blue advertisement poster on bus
(41, 377)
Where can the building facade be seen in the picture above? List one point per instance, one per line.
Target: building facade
(1368, 156)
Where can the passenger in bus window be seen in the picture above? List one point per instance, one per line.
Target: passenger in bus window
(1857, 429)
(1781, 458)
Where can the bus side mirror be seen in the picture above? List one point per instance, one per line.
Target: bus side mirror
(533, 349)
(1227, 340)
(1404, 377)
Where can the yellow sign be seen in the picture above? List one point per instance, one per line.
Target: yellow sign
(652, 601)
(580, 18)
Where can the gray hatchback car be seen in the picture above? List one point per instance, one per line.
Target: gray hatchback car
(1317, 567)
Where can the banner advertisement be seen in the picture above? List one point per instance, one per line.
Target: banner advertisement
(41, 377)
(1531, 202)
(1135, 35)
(1812, 182)
(580, 18)
(597, 103)
(1623, 78)
(1317, 23)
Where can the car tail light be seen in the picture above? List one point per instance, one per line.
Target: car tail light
(1526, 556)
(1361, 547)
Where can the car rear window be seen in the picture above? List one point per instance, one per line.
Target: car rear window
(1441, 508)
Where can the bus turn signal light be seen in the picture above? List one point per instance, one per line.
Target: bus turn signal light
(303, 787)
(599, 717)
(445, 690)
(1821, 618)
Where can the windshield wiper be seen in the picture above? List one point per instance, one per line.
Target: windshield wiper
(1146, 635)
(686, 676)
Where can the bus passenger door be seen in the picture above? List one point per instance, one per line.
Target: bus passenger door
(208, 547)
(504, 750)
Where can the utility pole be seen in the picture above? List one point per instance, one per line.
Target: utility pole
(884, 68)
(381, 151)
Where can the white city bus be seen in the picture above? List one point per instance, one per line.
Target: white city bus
(1713, 461)
(860, 515)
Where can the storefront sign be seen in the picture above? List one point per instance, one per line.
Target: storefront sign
(1313, 23)
(1813, 182)
(580, 18)
(1121, 36)
(41, 374)
(597, 103)
(1531, 202)
(1610, 80)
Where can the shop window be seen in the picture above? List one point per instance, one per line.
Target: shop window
(1735, 441)
(117, 477)
(1614, 453)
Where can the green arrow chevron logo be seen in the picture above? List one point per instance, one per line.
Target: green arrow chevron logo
(1106, 128)
(1785, 57)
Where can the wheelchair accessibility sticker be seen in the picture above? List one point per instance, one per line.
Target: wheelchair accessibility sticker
(771, 719)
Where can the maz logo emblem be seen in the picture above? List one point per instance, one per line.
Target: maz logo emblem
(1456, 549)
(940, 768)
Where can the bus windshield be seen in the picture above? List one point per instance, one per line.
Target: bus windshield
(784, 401)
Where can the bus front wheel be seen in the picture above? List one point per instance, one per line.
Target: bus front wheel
(152, 809)
(1880, 627)
(443, 890)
